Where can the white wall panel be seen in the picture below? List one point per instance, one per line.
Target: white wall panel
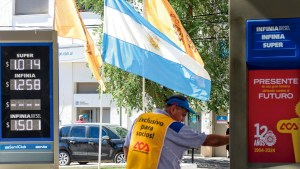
(66, 89)
(82, 73)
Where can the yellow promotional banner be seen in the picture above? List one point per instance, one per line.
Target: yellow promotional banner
(292, 127)
(68, 23)
(161, 14)
(147, 140)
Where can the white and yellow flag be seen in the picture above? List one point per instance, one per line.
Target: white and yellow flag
(161, 15)
(68, 23)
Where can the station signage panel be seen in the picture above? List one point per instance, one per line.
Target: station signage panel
(26, 103)
(273, 62)
(273, 44)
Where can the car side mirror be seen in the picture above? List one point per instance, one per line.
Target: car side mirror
(105, 138)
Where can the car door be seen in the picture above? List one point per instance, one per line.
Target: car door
(93, 144)
(78, 143)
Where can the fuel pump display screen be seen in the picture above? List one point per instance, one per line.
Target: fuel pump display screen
(26, 91)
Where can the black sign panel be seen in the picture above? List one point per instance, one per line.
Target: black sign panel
(26, 88)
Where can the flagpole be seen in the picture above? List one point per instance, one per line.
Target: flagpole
(144, 81)
(143, 95)
(100, 131)
(100, 121)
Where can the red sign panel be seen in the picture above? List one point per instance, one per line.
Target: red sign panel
(274, 116)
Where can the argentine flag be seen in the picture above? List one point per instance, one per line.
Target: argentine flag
(134, 45)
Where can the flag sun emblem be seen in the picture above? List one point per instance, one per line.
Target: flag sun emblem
(154, 42)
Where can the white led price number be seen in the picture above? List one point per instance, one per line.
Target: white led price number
(25, 84)
(24, 64)
(25, 124)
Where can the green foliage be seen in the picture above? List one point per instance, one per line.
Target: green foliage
(206, 22)
(127, 89)
(96, 6)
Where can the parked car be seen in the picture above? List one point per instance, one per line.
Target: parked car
(80, 142)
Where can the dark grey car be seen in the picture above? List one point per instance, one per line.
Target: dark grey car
(80, 142)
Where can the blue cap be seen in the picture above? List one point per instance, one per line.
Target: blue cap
(181, 103)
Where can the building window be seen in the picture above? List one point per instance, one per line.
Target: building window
(87, 88)
(30, 7)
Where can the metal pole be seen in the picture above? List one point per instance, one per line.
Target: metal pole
(143, 95)
(143, 69)
(192, 155)
(100, 121)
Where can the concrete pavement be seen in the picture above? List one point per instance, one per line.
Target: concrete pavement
(115, 166)
(199, 163)
(209, 162)
(94, 166)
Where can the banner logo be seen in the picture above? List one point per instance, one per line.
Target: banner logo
(141, 147)
(289, 126)
(264, 136)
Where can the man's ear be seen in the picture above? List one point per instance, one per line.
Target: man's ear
(172, 109)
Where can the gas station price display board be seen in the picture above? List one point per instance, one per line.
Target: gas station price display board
(26, 100)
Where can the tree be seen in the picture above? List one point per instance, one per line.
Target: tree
(206, 22)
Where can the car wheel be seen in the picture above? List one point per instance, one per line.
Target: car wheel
(82, 162)
(64, 158)
(119, 158)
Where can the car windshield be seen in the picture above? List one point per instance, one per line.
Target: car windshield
(122, 132)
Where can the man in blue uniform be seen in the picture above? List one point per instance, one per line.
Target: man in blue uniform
(177, 138)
